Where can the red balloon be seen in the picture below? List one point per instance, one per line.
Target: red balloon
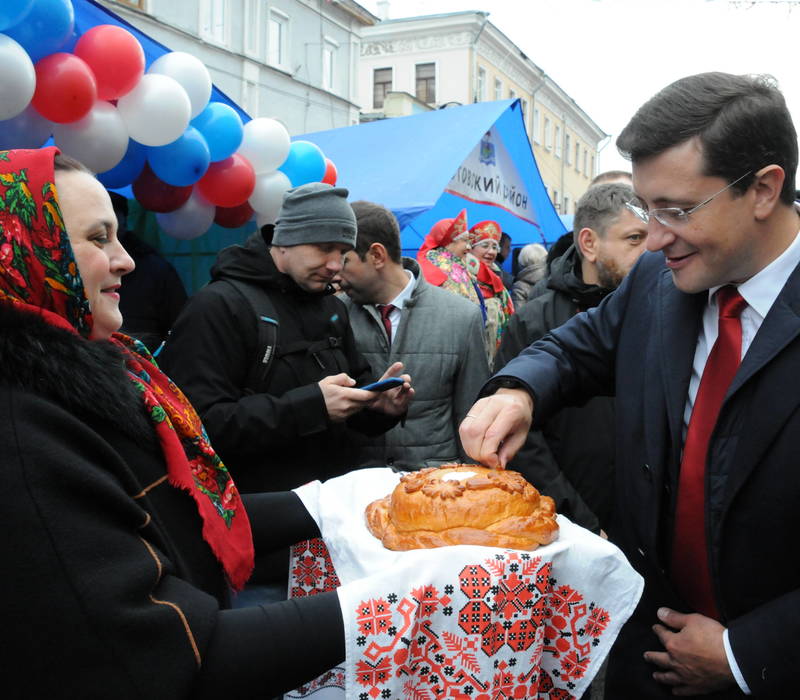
(234, 217)
(66, 88)
(115, 56)
(330, 172)
(156, 195)
(229, 182)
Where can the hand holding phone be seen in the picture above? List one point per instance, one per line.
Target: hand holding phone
(383, 384)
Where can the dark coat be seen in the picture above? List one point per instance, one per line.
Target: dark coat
(640, 343)
(109, 588)
(277, 435)
(571, 458)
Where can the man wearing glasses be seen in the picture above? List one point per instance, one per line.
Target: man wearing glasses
(701, 346)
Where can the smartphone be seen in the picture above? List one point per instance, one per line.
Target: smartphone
(383, 384)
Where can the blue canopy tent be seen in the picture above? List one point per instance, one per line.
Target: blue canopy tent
(429, 166)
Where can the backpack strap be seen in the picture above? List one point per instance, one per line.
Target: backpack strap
(266, 320)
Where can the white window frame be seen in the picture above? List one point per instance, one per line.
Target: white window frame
(568, 148)
(251, 41)
(498, 89)
(537, 126)
(548, 137)
(586, 162)
(281, 60)
(577, 156)
(330, 47)
(512, 94)
(558, 141)
(566, 205)
(481, 84)
(214, 21)
(435, 79)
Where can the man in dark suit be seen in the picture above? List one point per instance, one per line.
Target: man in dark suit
(701, 345)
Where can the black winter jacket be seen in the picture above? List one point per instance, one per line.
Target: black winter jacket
(572, 457)
(109, 589)
(275, 436)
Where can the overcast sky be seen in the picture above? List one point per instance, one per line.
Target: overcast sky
(610, 56)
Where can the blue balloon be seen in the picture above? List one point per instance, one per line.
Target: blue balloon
(29, 129)
(12, 12)
(46, 28)
(305, 163)
(182, 162)
(221, 126)
(128, 169)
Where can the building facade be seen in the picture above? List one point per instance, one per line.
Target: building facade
(293, 60)
(460, 58)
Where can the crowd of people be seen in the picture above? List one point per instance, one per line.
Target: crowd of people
(631, 372)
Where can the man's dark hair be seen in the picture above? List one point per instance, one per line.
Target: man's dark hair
(741, 121)
(599, 208)
(611, 176)
(376, 224)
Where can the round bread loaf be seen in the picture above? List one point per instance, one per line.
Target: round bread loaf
(463, 504)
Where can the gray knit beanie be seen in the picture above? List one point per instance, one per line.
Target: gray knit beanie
(315, 213)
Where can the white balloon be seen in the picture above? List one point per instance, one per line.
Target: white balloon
(156, 111)
(267, 196)
(190, 73)
(99, 140)
(189, 221)
(17, 78)
(28, 129)
(265, 144)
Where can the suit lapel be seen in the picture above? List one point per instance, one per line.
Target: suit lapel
(771, 401)
(679, 319)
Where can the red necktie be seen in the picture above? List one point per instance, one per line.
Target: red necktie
(690, 569)
(385, 310)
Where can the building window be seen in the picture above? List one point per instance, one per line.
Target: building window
(524, 104)
(548, 139)
(426, 82)
(512, 94)
(537, 134)
(568, 149)
(481, 91)
(577, 157)
(213, 21)
(278, 39)
(329, 48)
(558, 141)
(592, 171)
(252, 27)
(565, 210)
(381, 86)
(556, 202)
(498, 89)
(586, 162)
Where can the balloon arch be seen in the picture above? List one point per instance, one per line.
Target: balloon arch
(191, 160)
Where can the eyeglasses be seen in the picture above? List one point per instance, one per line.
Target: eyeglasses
(489, 245)
(675, 216)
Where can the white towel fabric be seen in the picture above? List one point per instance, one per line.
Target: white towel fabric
(468, 621)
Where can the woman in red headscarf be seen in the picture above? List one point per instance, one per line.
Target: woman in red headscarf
(499, 306)
(442, 257)
(122, 529)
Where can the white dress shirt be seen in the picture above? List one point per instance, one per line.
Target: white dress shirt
(399, 302)
(760, 293)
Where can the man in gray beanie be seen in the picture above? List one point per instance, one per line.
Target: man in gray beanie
(266, 354)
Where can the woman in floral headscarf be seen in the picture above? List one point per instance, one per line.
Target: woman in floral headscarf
(499, 306)
(122, 529)
(442, 257)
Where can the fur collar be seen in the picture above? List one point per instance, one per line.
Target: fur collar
(87, 378)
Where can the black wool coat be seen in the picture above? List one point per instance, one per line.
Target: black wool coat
(109, 589)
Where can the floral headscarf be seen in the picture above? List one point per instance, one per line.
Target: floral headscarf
(38, 274)
(442, 234)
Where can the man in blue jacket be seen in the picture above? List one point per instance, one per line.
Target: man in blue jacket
(701, 345)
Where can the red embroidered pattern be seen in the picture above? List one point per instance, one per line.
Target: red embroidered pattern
(524, 636)
(311, 570)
